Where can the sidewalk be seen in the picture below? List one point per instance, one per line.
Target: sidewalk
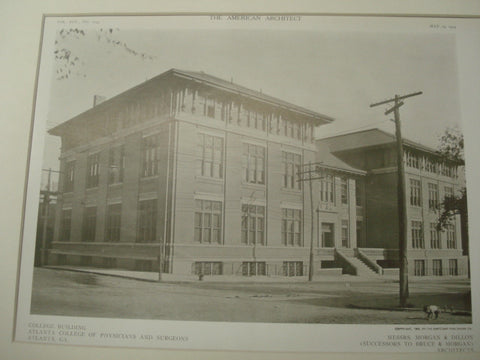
(153, 276)
(176, 278)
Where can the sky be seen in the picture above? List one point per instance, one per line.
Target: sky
(336, 73)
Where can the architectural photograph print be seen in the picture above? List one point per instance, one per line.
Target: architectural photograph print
(247, 182)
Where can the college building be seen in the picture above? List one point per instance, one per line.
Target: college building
(192, 174)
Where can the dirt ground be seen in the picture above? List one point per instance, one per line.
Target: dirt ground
(59, 292)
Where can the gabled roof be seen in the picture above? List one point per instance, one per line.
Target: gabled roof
(201, 78)
(369, 138)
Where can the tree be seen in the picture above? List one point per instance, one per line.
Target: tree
(451, 148)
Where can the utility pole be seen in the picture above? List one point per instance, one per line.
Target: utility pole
(310, 267)
(310, 179)
(46, 205)
(401, 195)
(160, 260)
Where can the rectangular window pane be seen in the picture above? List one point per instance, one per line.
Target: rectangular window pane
(89, 224)
(437, 267)
(291, 227)
(433, 196)
(415, 192)
(93, 170)
(253, 164)
(417, 235)
(344, 190)
(66, 225)
(69, 176)
(291, 165)
(112, 231)
(208, 221)
(253, 224)
(147, 221)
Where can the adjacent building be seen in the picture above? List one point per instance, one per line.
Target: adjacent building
(429, 178)
(191, 174)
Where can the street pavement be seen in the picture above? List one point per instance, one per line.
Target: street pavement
(336, 299)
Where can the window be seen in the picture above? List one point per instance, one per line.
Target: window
(327, 189)
(147, 221)
(143, 265)
(358, 193)
(293, 268)
(437, 267)
(253, 224)
(210, 153)
(112, 231)
(291, 167)
(208, 222)
(419, 267)
(260, 121)
(252, 268)
(327, 235)
(210, 108)
(359, 233)
(448, 192)
(309, 138)
(345, 235)
(291, 227)
(86, 260)
(109, 262)
(150, 155)
(89, 224)
(69, 176)
(452, 267)
(255, 120)
(253, 164)
(208, 268)
(415, 193)
(430, 165)
(66, 225)
(344, 190)
(412, 160)
(93, 162)
(447, 170)
(272, 123)
(116, 165)
(451, 237)
(432, 196)
(417, 235)
(434, 236)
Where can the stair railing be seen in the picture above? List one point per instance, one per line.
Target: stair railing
(369, 262)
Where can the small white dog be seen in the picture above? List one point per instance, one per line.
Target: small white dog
(431, 310)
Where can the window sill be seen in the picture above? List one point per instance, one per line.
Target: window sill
(147, 178)
(253, 185)
(117, 184)
(207, 244)
(209, 179)
(292, 191)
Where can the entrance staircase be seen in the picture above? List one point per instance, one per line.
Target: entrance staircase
(355, 263)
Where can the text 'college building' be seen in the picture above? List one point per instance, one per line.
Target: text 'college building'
(197, 175)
